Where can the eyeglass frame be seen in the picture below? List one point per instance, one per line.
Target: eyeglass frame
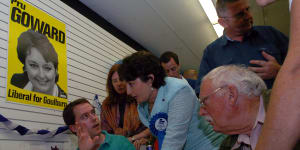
(202, 100)
(88, 115)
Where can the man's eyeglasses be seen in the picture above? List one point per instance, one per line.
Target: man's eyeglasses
(87, 115)
(202, 100)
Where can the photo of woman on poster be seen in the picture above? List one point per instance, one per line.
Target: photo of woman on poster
(40, 60)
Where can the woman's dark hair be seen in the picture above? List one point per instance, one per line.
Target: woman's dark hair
(140, 65)
(30, 39)
(113, 96)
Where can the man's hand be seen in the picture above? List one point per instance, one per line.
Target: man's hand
(268, 69)
(85, 142)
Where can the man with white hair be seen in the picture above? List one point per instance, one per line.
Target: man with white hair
(234, 101)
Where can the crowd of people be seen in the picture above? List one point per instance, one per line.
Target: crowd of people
(239, 106)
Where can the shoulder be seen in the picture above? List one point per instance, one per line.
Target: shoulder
(119, 141)
(117, 137)
(19, 80)
(214, 48)
(271, 34)
(217, 43)
(265, 29)
(174, 84)
(61, 93)
(262, 27)
(106, 102)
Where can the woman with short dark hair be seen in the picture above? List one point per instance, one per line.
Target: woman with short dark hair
(168, 106)
(40, 62)
(119, 112)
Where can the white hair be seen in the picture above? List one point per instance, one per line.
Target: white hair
(246, 81)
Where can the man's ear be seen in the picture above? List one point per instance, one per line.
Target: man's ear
(233, 95)
(73, 128)
(222, 22)
(150, 79)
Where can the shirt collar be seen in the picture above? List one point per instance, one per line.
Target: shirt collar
(107, 139)
(253, 138)
(261, 112)
(225, 39)
(29, 87)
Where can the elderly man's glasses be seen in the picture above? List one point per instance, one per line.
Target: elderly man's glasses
(203, 100)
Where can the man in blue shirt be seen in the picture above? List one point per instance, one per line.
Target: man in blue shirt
(82, 120)
(261, 48)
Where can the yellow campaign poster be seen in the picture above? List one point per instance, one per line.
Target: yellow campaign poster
(37, 60)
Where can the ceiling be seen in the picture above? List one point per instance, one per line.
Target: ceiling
(180, 26)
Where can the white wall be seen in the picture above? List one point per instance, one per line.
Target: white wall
(90, 53)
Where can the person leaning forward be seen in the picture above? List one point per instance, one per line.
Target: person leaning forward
(167, 105)
(235, 101)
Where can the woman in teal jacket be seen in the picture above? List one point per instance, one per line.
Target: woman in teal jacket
(168, 106)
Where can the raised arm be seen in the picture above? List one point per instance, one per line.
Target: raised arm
(281, 129)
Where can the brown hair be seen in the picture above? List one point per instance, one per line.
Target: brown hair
(221, 7)
(29, 39)
(113, 96)
(68, 114)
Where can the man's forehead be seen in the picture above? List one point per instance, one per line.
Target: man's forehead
(233, 7)
(82, 108)
(170, 62)
(205, 86)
